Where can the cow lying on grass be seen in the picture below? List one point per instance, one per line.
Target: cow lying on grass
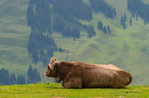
(82, 75)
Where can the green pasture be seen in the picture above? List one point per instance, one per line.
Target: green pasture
(52, 90)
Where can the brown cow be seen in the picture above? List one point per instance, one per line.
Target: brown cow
(82, 75)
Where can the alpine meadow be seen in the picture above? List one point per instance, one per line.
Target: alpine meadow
(92, 31)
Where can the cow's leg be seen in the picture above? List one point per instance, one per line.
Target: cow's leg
(73, 83)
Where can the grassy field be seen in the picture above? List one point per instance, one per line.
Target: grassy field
(52, 90)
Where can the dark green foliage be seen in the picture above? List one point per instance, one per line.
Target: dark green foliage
(130, 21)
(139, 8)
(7, 79)
(62, 50)
(100, 25)
(67, 32)
(74, 32)
(125, 17)
(33, 75)
(70, 9)
(39, 15)
(59, 25)
(41, 47)
(4, 77)
(106, 30)
(103, 7)
(123, 21)
(13, 79)
(90, 31)
(29, 72)
(21, 79)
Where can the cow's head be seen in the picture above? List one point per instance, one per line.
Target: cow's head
(51, 70)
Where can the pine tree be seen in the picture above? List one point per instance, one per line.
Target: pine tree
(13, 79)
(130, 21)
(104, 30)
(100, 25)
(20, 79)
(123, 21)
(91, 31)
(29, 74)
(108, 29)
(4, 77)
(33, 75)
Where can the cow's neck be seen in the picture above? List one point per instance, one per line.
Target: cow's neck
(63, 69)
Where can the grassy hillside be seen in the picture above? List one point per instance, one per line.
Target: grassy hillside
(14, 34)
(56, 91)
(127, 48)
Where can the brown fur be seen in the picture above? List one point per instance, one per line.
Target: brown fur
(82, 75)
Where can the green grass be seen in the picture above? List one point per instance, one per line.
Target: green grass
(43, 90)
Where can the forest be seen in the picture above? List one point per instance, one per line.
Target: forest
(7, 78)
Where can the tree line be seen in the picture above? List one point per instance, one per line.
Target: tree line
(103, 7)
(40, 47)
(105, 29)
(7, 78)
(123, 21)
(139, 8)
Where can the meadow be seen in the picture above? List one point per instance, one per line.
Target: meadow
(53, 90)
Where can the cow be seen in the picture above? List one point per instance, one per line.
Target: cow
(83, 75)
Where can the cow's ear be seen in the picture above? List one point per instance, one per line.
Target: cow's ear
(52, 63)
(53, 59)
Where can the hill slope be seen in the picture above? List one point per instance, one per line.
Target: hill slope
(56, 91)
(26, 37)
(14, 34)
